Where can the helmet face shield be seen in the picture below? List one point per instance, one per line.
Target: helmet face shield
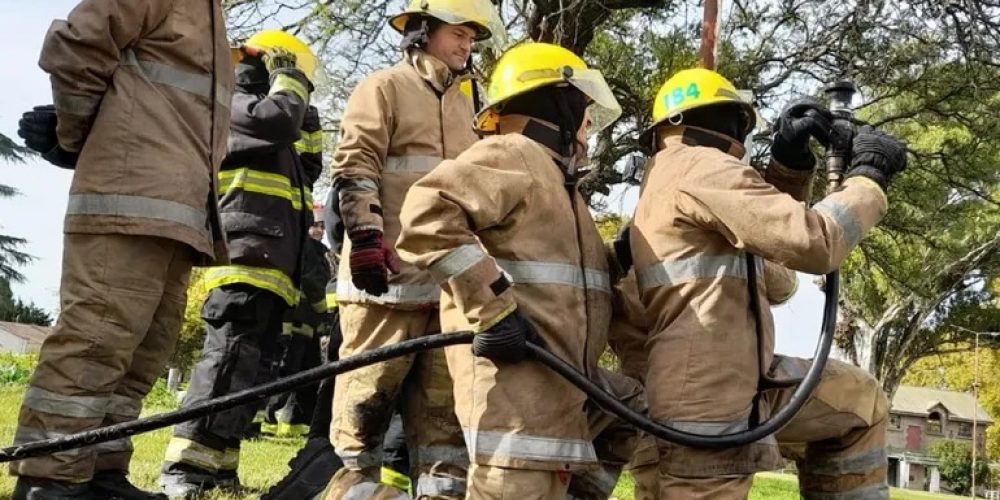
(604, 108)
(533, 65)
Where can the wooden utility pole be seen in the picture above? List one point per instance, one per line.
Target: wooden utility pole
(709, 33)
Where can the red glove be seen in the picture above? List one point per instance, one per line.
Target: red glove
(371, 262)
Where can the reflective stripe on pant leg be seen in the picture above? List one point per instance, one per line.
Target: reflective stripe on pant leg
(181, 450)
(595, 483)
(395, 479)
(519, 446)
(45, 401)
(437, 486)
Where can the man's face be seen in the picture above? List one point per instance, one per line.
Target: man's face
(452, 44)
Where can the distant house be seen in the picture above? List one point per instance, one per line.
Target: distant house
(19, 338)
(922, 416)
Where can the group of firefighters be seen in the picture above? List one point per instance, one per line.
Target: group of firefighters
(187, 152)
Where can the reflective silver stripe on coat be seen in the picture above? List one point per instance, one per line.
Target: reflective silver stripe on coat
(456, 262)
(38, 399)
(545, 449)
(121, 205)
(397, 294)
(124, 406)
(873, 492)
(437, 487)
(200, 84)
(555, 273)
(411, 163)
(851, 464)
(75, 104)
(675, 272)
(841, 214)
(788, 367)
(718, 429)
(452, 455)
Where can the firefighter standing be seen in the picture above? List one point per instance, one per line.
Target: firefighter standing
(398, 125)
(508, 236)
(702, 216)
(288, 414)
(141, 91)
(266, 207)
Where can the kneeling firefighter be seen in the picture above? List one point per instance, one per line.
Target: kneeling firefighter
(266, 208)
(704, 221)
(505, 231)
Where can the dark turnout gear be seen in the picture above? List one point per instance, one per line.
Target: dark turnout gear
(141, 91)
(266, 210)
(506, 340)
(877, 156)
(240, 351)
(371, 262)
(799, 122)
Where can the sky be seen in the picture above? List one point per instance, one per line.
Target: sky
(37, 214)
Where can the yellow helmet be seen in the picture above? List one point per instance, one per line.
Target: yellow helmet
(479, 13)
(533, 65)
(695, 88)
(305, 58)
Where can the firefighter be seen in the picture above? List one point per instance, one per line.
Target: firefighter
(703, 219)
(399, 123)
(141, 92)
(266, 207)
(505, 232)
(288, 414)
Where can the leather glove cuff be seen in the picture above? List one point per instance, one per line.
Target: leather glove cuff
(875, 174)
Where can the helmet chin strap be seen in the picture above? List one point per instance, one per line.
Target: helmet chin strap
(416, 38)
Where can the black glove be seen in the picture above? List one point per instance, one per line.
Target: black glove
(311, 123)
(38, 129)
(877, 156)
(801, 120)
(505, 341)
(623, 248)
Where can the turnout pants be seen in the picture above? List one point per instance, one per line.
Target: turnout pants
(365, 399)
(122, 302)
(243, 324)
(841, 430)
(615, 443)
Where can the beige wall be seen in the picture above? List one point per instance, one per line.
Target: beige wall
(897, 436)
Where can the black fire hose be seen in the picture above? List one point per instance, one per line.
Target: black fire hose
(605, 400)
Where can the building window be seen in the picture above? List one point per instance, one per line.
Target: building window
(894, 422)
(934, 423)
(965, 430)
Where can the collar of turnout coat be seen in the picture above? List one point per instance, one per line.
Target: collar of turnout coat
(695, 136)
(434, 70)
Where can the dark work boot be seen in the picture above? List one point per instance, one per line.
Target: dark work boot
(312, 469)
(32, 488)
(114, 484)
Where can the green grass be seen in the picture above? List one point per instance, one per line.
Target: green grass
(776, 486)
(264, 462)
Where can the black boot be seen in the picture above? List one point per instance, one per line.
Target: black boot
(311, 471)
(114, 484)
(32, 488)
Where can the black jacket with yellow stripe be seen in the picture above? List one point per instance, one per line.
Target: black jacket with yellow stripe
(264, 186)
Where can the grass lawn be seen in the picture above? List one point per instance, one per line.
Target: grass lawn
(264, 462)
